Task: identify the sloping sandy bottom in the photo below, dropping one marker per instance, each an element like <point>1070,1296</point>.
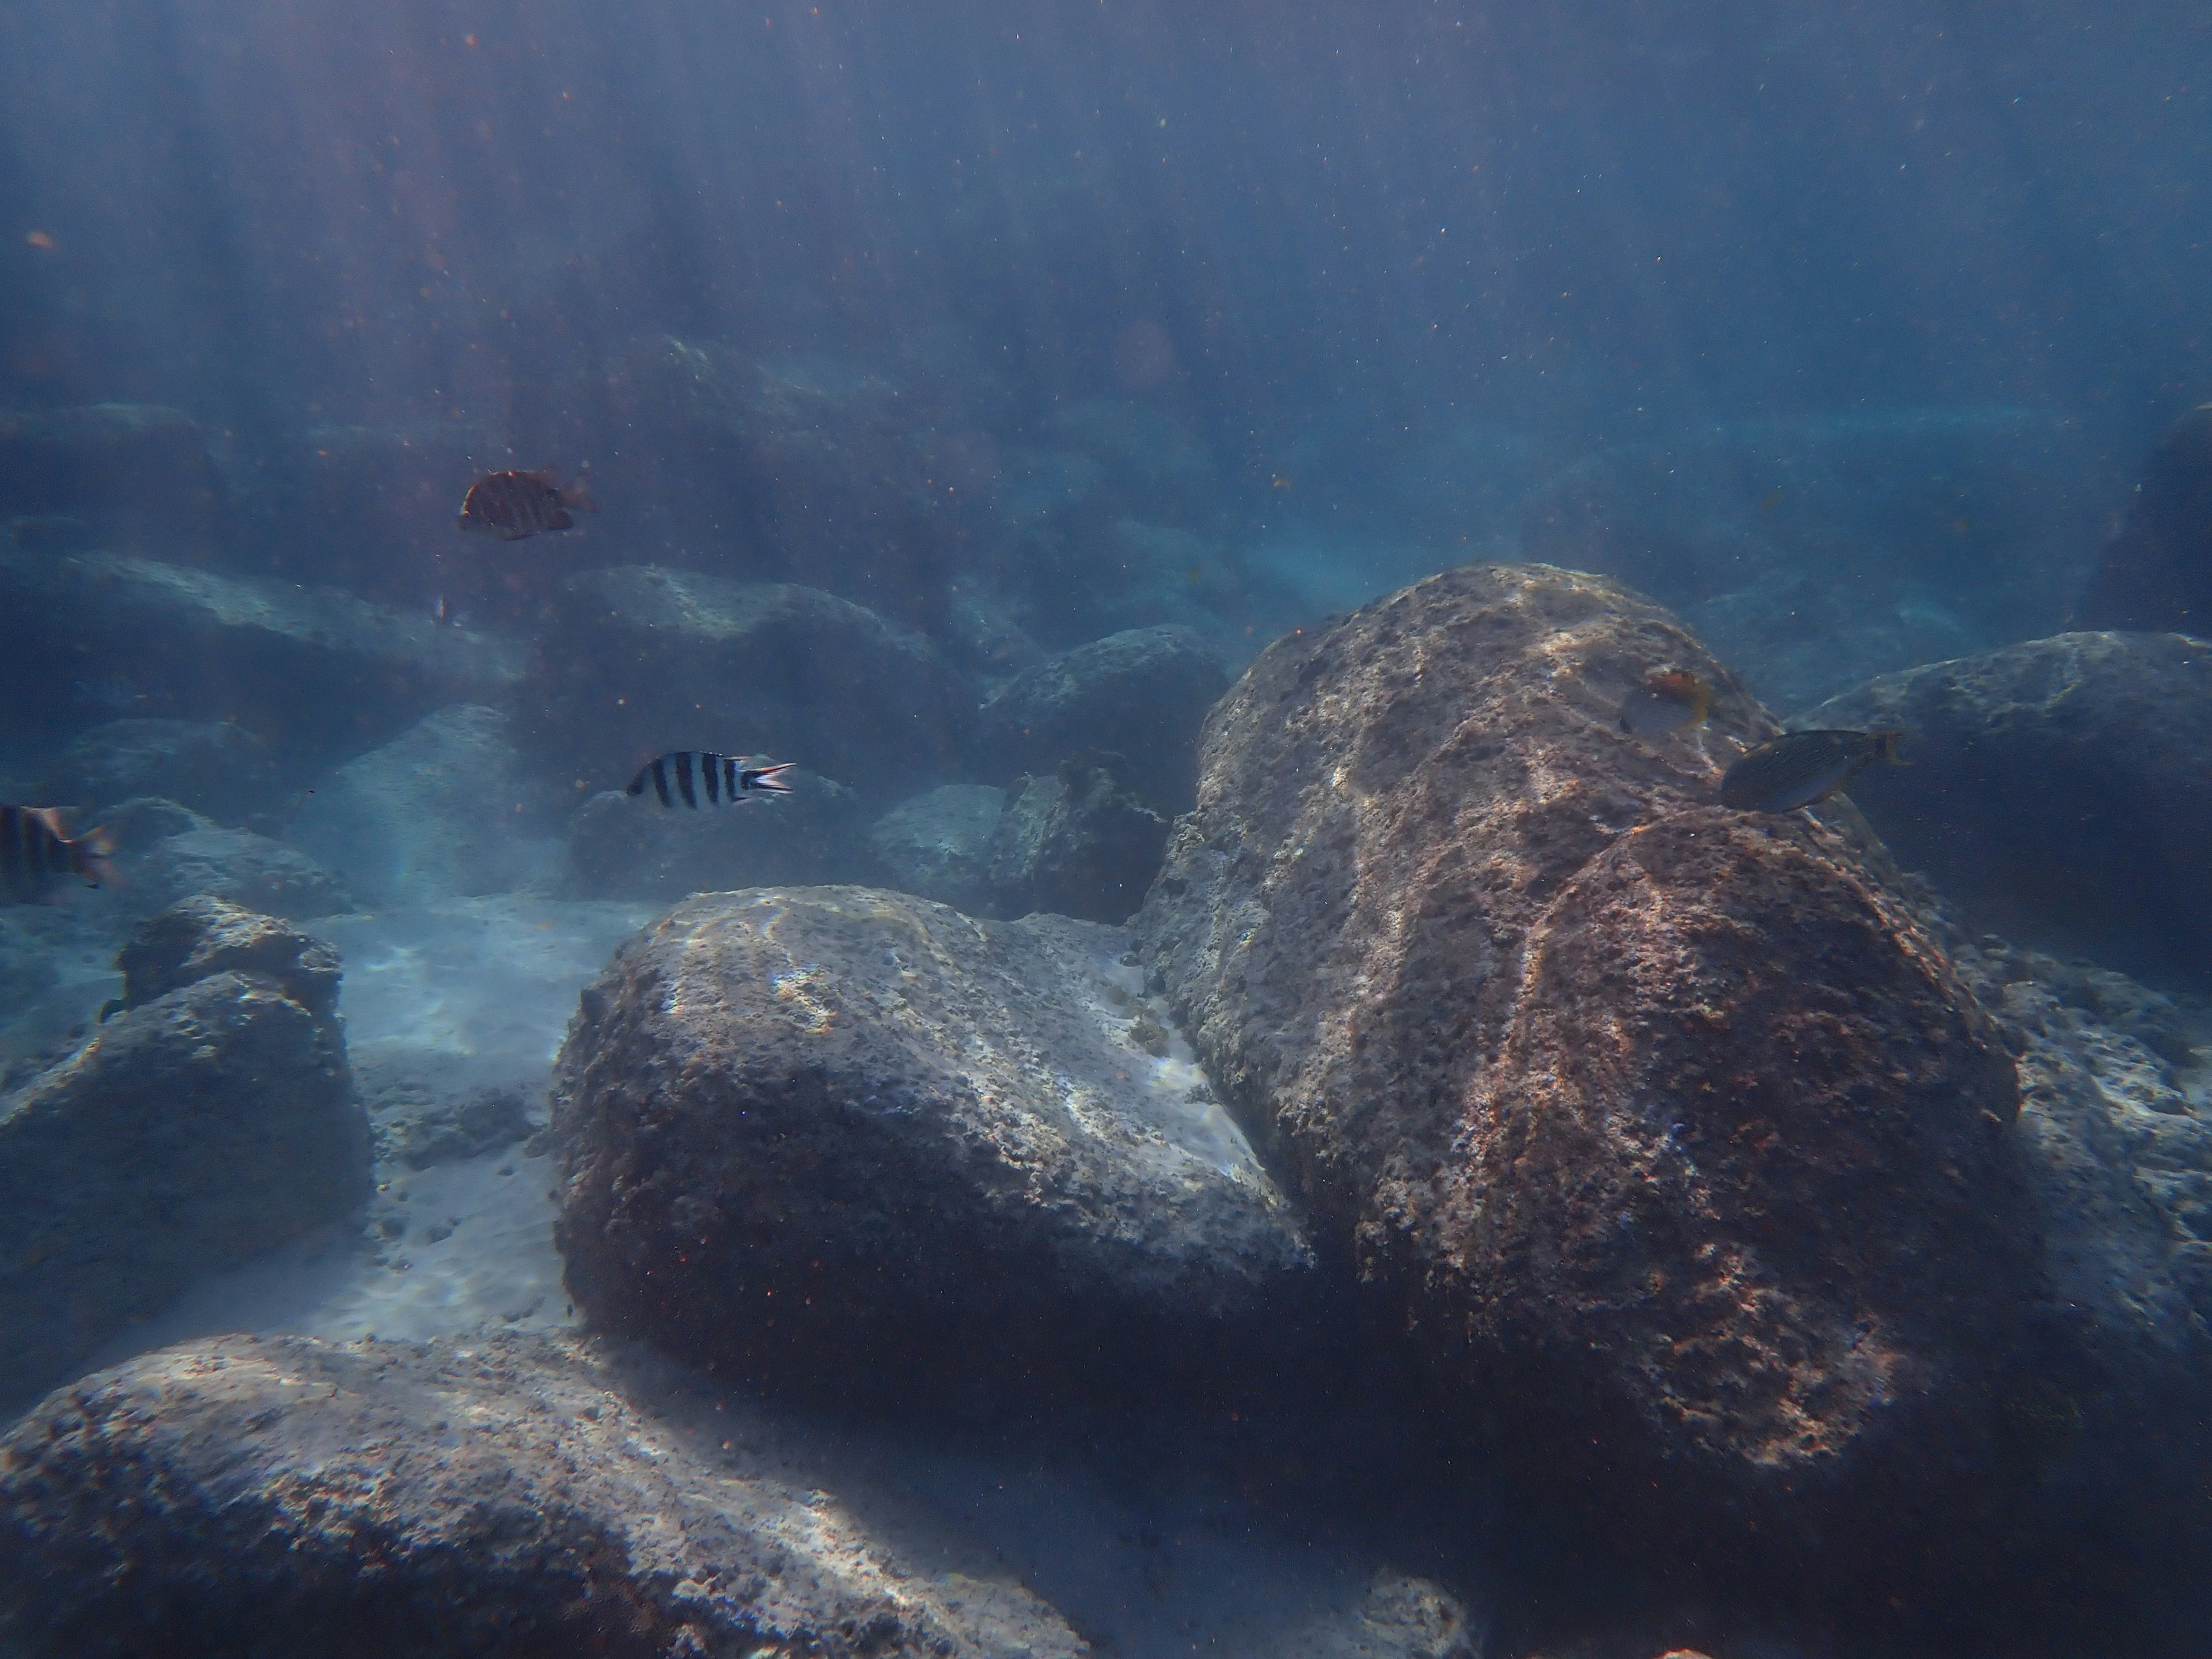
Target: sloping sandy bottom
<point>477,994</point>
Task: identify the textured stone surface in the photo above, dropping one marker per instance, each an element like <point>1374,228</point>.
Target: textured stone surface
<point>938,844</point>
<point>1143,693</point>
<point>207,1123</point>
<point>640,660</point>
<point>1075,841</point>
<point>1641,1107</point>
<point>851,1143</point>
<point>238,866</point>
<point>287,1496</point>
<point>2058,790</point>
<point>209,935</point>
<point>1402,1617</point>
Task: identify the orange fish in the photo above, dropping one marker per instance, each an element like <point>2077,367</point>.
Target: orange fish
<point>512,505</point>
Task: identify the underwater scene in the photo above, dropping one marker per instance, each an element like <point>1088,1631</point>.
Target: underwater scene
<point>837,829</point>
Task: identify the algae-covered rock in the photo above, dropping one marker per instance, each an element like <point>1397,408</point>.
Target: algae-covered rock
<point>524,1495</point>
<point>856,1146</point>
<point>1670,1128</point>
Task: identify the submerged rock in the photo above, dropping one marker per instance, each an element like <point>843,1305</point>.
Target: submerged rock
<point>1669,1126</point>
<point>1142,694</point>
<point>288,1497</point>
<point>445,810</point>
<point>237,865</point>
<point>938,844</point>
<point>213,767</point>
<point>1077,842</point>
<point>2058,790</point>
<point>209,1121</point>
<point>639,660</point>
<point>2155,573</point>
<point>855,1145</point>
<point>296,664</point>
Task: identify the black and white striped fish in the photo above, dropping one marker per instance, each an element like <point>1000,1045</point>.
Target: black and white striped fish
<point>689,775</point>
<point>35,855</point>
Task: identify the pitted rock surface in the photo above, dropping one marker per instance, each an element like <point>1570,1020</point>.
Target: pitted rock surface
<point>856,1142</point>
<point>1669,1128</point>
<point>288,1497</point>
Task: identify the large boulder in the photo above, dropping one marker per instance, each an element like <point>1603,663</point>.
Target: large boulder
<point>856,1146</point>
<point>211,1119</point>
<point>237,865</point>
<point>937,845</point>
<point>1142,694</point>
<point>2059,791</point>
<point>2155,572</point>
<point>639,660</point>
<point>293,1498</point>
<point>445,810</point>
<point>1076,840</point>
<point>306,665</point>
<point>1669,1128</point>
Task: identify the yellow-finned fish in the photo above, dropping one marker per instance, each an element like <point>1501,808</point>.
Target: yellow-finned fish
<point>512,505</point>
<point>1665,702</point>
<point>35,854</point>
<point>1800,767</point>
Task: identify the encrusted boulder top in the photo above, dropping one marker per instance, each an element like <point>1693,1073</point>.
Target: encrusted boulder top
<point>200,936</point>
<point>1667,1127</point>
<point>857,1143</point>
<point>288,1497</point>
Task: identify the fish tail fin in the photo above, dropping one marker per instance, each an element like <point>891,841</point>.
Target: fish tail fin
<point>771,778</point>
<point>576,493</point>
<point>1885,744</point>
<point>91,855</point>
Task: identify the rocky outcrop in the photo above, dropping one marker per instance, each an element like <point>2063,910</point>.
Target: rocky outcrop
<point>210,1121</point>
<point>1075,841</point>
<point>2155,573</point>
<point>526,1496</point>
<point>1670,1128</point>
<point>2058,791</point>
<point>937,845</point>
<point>295,664</point>
<point>445,810</point>
<point>639,660</point>
<point>855,1145</point>
<point>253,871</point>
<point>1142,694</point>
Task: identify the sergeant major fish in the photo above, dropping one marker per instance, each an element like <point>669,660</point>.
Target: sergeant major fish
<point>512,505</point>
<point>1665,702</point>
<point>35,854</point>
<point>1800,768</point>
<point>688,774</point>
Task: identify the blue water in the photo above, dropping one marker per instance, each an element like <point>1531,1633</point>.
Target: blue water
<point>1844,330</point>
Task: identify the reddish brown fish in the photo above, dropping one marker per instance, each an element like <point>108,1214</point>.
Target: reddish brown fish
<point>512,505</point>
<point>35,855</point>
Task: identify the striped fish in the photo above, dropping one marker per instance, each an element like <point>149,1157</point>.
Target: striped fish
<point>35,855</point>
<point>688,774</point>
<point>1800,768</point>
<point>512,505</point>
